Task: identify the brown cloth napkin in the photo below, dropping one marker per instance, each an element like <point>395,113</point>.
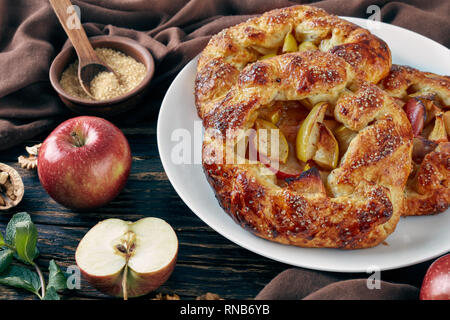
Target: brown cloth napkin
<point>174,31</point>
<point>300,284</point>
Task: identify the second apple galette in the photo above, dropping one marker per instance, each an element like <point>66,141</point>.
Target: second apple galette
<point>425,97</point>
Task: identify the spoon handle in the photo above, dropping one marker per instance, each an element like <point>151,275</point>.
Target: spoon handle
<point>74,30</point>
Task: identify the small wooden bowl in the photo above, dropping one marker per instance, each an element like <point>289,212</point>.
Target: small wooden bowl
<point>107,107</point>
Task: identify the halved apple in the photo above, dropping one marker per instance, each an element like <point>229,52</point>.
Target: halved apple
<point>265,145</point>
<point>327,154</point>
<point>344,136</point>
<point>290,44</point>
<point>308,134</point>
<point>439,133</point>
<point>126,259</point>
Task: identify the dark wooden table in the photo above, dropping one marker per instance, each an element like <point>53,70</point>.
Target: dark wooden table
<point>207,262</point>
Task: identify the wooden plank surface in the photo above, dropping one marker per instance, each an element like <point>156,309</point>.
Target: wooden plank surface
<point>207,262</point>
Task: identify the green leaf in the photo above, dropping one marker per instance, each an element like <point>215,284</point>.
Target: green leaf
<point>21,277</point>
<point>26,240</point>
<point>11,227</point>
<point>2,240</point>
<point>51,294</point>
<point>6,256</point>
<point>56,278</point>
<point>11,231</point>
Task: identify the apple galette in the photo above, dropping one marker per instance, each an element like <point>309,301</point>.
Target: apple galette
<point>315,163</point>
<point>302,147</point>
<point>425,97</point>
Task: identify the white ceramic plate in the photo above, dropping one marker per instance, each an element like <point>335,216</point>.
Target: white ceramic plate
<point>416,239</point>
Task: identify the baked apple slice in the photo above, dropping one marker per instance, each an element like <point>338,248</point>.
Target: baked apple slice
<point>307,46</point>
<point>271,114</point>
<point>290,44</point>
<point>267,56</point>
<point>447,122</point>
<point>422,147</point>
<point>308,134</point>
<point>308,181</point>
<point>439,133</point>
<point>344,136</point>
<point>327,154</point>
<point>331,124</point>
<point>291,169</point>
<point>416,112</point>
<point>265,144</point>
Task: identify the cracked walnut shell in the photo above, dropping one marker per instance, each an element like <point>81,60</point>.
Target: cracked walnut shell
<point>11,187</point>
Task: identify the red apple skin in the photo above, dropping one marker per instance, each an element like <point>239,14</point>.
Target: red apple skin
<point>416,113</point>
<point>283,175</point>
<point>436,284</point>
<point>87,175</point>
<point>137,285</point>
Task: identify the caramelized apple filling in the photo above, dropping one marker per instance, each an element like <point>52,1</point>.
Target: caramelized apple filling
<point>290,44</point>
<point>429,122</point>
<point>306,134</point>
<point>291,139</point>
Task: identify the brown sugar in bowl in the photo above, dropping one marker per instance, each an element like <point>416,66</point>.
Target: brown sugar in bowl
<point>109,107</point>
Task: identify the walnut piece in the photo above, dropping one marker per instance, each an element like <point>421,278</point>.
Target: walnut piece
<point>30,162</point>
<point>4,176</point>
<point>11,187</point>
<point>34,150</point>
<point>209,296</point>
<point>160,296</point>
<point>206,296</point>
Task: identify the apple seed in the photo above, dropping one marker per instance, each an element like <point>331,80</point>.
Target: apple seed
<point>126,248</point>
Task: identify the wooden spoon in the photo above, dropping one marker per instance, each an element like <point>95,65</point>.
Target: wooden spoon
<point>89,65</point>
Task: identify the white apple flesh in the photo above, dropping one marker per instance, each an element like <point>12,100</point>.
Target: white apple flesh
<point>126,259</point>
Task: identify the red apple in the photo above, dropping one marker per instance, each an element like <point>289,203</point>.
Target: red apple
<point>436,284</point>
<point>84,163</point>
